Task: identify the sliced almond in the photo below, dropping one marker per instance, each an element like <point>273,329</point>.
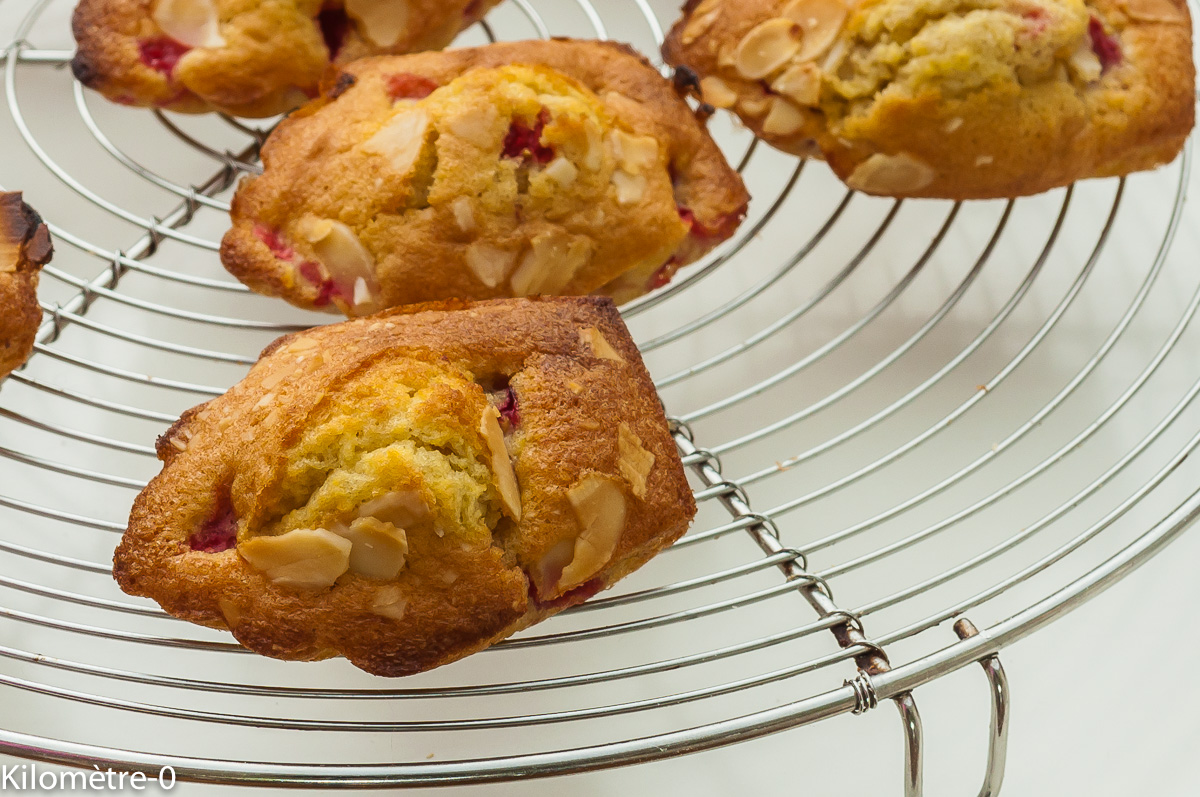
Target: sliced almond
<point>401,139</point>
<point>633,460</point>
<point>561,171</point>
<point>800,83</point>
<point>593,339</point>
<point>389,602</point>
<point>302,558</point>
<point>230,611</point>
<point>630,187</point>
<point>478,125</point>
<point>278,372</point>
<point>768,46</point>
<point>464,213</point>
<point>191,22</point>
<point>342,254</point>
<point>599,505</point>
<point>552,261</point>
<point>1084,64</point>
<point>783,119</point>
<point>727,55</point>
<point>404,509</point>
<point>384,22</point>
<point>489,264</point>
<point>755,105</point>
<point>821,20</point>
<point>506,479</point>
<point>717,93</point>
<point>633,153</point>
<point>301,344</point>
<point>891,174</point>
<point>364,298</point>
<point>550,566</point>
<point>379,548</point>
<point>699,25</point>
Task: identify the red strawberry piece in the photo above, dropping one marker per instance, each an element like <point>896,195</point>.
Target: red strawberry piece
<point>161,54</point>
<point>219,532</point>
<point>524,141</point>
<point>1106,48</point>
<point>407,86</point>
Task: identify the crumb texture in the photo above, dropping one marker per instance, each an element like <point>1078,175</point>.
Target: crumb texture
<point>406,489</point>
<point>512,170</point>
<point>951,98</point>
<point>252,58</point>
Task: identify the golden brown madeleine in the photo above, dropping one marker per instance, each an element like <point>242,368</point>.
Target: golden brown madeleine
<point>951,98</point>
<point>24,248</point>
<point>409,488</point>
<point>246,57</point>
<point>541,167</point>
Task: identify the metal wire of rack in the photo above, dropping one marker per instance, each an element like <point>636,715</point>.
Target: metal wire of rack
<point>924,409</point>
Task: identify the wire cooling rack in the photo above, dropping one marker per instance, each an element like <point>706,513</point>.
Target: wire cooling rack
<point>896,415</point>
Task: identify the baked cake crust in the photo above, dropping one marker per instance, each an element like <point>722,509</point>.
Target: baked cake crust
<point>267,55</point>
<point>24,248</point>
<point>954,99</point>
<point>455,220</point>
<point>581,409</point>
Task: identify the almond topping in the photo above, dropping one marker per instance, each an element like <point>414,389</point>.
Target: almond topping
<point>591,337</point>
<point>800,83</point>
<point>489,264</point>
<point>401,139</point>
<point>389,602</point>
<point>384,22</point>
<point>477,125</point>
<point>561,171</point>
<point>1084,63</point>
<point>821,20</point>
<point>301,344</point>
<point>784,119</point>
<point>551,263</point>
<point>633,153</point>
<point>717,93</point>
<point>404,509</point>
<point>379,548</point>
<point>599,505</point>
<point>506,480</point>
<point>302,558</point>
<point>230,611</point>
<point>277,374</point>
<point>767,47</point>
<point>630,187</point>
<point>891,174</point>
<point>755,105</point>
<point>634,461</point>
<point>191,22</point>
<point>550,566</point>
<point>699,25</point>
<point>464,213</point>
<point>727,55</point>
<point>343,255</point>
